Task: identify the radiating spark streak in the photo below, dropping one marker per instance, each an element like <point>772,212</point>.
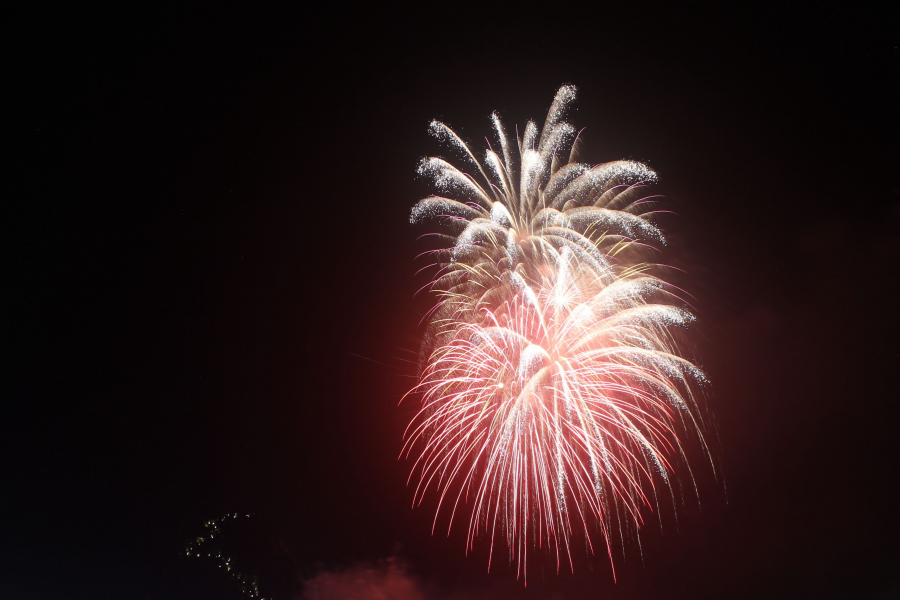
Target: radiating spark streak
<point>553,392</point>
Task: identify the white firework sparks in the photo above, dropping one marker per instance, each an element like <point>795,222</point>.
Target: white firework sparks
<point>553,390</point>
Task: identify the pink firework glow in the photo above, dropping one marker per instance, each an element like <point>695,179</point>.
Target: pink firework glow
<point>553,392</point>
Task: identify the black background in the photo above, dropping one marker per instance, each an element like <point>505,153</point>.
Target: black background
<point>208,281</point>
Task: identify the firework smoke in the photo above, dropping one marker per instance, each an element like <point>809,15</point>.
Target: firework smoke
<point>552,387</point>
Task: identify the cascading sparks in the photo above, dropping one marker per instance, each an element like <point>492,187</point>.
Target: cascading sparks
<point>553,390</point>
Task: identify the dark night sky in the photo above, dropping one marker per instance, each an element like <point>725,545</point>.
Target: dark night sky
<point>207,240</point>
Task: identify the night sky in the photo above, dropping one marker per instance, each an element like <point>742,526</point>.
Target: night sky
<point>209,276</point>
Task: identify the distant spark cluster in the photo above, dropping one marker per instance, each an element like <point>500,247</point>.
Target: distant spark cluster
<point>205,545</point>
<point>554,396</point>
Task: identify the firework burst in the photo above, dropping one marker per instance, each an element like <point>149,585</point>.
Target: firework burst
<point>552,387</point>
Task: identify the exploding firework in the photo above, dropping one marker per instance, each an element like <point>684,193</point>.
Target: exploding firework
<point>210,545</point>
<point>247,550</point>
<point>554,395</point>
